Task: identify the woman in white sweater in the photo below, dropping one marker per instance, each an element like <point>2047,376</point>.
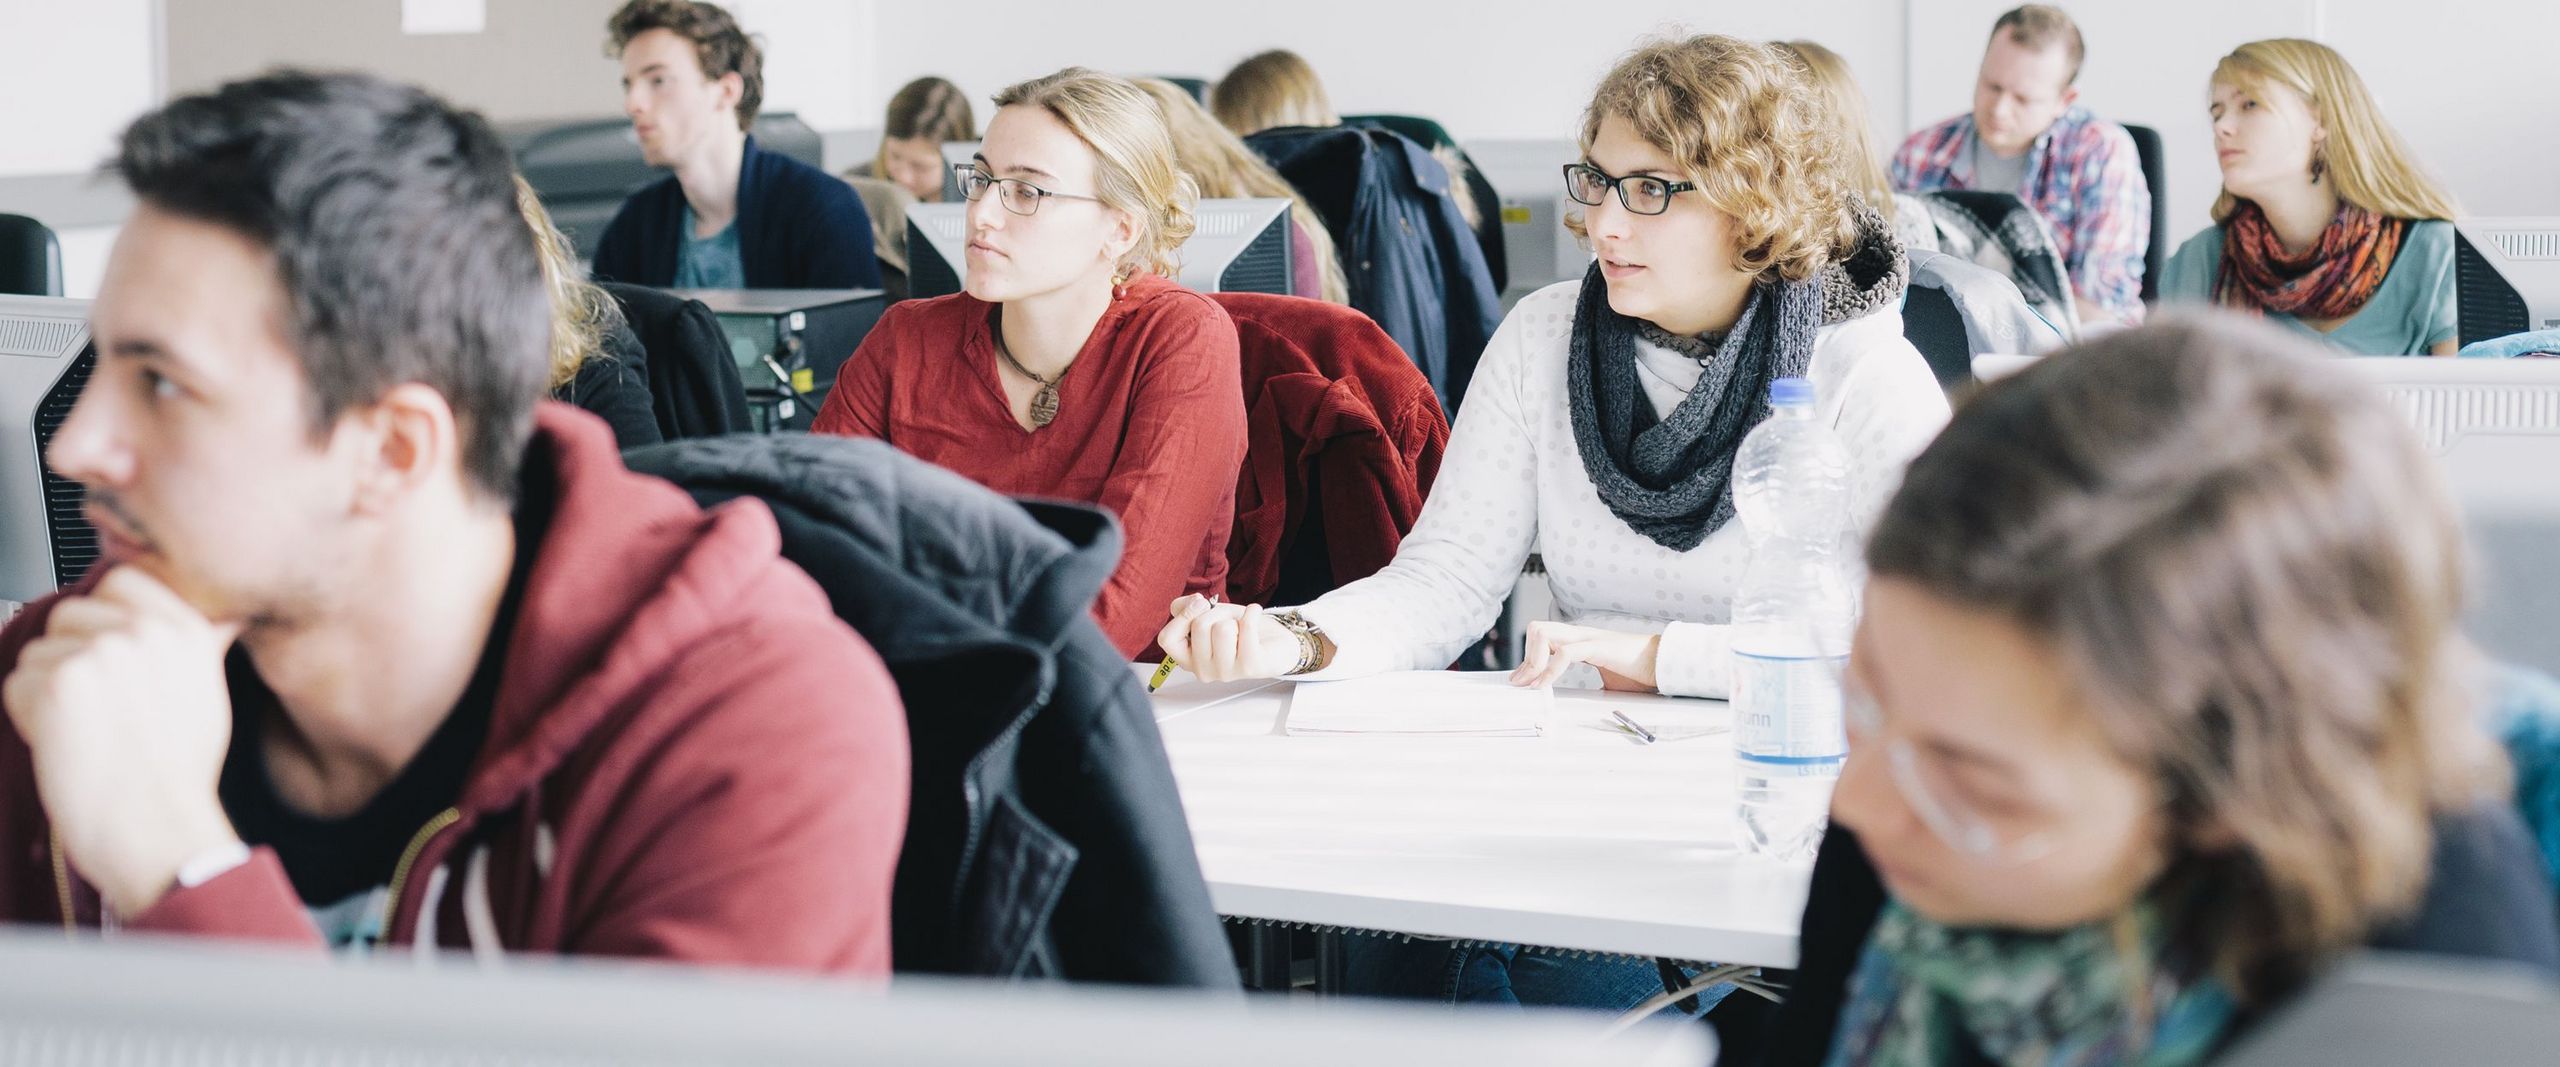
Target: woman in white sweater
<point>1601,425</point>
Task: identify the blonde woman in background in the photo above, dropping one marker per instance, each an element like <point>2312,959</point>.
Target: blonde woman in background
<point>596,361</point>
<point>1272,89</point>
<point>1072,366</point>
<point>2326,225</point>
<point>1838,91</point>
<point>1224,168</point>
<point>924,114</point>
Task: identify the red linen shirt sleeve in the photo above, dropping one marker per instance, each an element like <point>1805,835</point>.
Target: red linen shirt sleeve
<point>858,406</point>
<point>1174,482</point>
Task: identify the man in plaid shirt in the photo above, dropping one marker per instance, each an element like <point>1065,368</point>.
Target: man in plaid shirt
<point>2029,134</point>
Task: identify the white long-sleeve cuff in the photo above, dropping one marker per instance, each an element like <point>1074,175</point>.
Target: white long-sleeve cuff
<point>1695,660</point>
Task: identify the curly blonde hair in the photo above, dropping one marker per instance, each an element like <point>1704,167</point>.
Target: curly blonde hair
<point>1741,118</point>
<point>1135,169</point>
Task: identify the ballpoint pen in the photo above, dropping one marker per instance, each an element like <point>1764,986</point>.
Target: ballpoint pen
<point>1165,670</point>
<point>1636,727</point>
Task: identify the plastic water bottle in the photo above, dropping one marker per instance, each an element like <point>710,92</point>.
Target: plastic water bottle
<point>1792,617</point>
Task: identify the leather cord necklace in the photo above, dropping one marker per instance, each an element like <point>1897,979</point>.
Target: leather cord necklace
<point>1044,404</point>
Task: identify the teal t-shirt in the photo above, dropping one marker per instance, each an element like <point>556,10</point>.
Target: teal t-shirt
<point>709,262</point>
<point>2413,311</point>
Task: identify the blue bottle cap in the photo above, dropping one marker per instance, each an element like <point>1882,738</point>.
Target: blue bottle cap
<point>1787,391</point>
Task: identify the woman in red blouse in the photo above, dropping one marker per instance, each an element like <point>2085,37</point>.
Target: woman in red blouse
<point>1072,367</point>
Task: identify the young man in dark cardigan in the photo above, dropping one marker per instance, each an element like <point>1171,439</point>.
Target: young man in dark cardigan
<point>731,215</point>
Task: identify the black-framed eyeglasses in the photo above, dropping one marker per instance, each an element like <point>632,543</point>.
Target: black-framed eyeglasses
<point>1641,193</point>
<point>1017,196</point>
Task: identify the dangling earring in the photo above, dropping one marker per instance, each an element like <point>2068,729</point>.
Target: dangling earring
<point>2319,166</point>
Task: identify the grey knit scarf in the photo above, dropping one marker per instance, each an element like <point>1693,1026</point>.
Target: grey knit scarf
<point>1670,477</point>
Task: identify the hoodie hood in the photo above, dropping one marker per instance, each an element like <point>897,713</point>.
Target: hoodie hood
<point>629,574</point>
<point>1872,276</point>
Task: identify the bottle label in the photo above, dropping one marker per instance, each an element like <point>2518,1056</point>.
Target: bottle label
<point>1786,710</point>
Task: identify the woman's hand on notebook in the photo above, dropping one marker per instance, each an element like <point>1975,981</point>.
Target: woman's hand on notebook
<point>1624,660</point>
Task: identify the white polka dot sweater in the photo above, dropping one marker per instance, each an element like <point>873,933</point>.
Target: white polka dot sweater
<point>1512,483</point>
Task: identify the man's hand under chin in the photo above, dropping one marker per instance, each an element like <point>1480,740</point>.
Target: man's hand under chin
<point>124,705</point>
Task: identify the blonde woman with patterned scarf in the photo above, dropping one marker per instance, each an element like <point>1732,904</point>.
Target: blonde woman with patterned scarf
<point>2325,223</point>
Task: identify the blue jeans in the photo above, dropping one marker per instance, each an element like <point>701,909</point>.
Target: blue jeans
<point>1386,966</point>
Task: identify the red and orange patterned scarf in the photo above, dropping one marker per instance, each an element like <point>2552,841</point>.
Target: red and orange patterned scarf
<point>2331,281</point>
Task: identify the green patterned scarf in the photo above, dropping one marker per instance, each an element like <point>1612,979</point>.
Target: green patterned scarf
<point>1924,993</point>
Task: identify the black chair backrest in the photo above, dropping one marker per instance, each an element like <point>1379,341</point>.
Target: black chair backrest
<point>1197,87</point>
<point>2485,306</point>
<point>1932,324</point>
<point>30,258</point>
<point>2155,173</point>
<point>693,380</point>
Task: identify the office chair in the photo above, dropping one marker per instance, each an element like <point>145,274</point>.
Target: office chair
<point>30,258</point>
<point>2155,174</point>
<point>693,379</point>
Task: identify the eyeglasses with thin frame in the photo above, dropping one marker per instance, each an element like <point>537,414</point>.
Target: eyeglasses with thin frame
<point>1925,786</point>
<point>1642,194</point>
<point>1017,196</point>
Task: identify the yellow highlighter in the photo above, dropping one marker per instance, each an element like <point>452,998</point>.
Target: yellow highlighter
<point>1164,670</point>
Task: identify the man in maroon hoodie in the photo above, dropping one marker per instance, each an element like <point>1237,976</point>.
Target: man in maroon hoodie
<point>384,650</point>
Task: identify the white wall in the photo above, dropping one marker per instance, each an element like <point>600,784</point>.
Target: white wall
<point>537,59</point>
<point>2468,82</point>
<point>2474,88</point>
<point>71,77</point>
<point>1495,70</point>
<point>819,58</point>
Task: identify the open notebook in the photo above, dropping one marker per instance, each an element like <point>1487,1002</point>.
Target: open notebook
<point>1433,703</point>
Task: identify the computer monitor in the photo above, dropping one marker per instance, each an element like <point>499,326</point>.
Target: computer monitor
<point>139,999</point>
<point>1529,177</point>
<point>2506,276</point>
<point>583,169</point>
<point>45,544</point>
<point>955,153</point>
<point>789,343</point>
<point>2495,423</point>
<point>1237,246</point>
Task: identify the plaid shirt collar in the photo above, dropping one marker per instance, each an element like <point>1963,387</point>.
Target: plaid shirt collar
<point>1955,154</point>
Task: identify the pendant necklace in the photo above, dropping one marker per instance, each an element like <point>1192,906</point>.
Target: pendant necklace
<point>1044,404</point>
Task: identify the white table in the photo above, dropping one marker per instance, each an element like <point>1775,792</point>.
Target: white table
<point>1579,838</point>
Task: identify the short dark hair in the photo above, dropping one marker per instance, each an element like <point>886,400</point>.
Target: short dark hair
<point>2043,26</point>
<point>719,45</point>
<point>392,216</point>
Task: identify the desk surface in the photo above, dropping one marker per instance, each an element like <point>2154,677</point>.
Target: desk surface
<point>767,302</point>
<point>1578,838</point>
